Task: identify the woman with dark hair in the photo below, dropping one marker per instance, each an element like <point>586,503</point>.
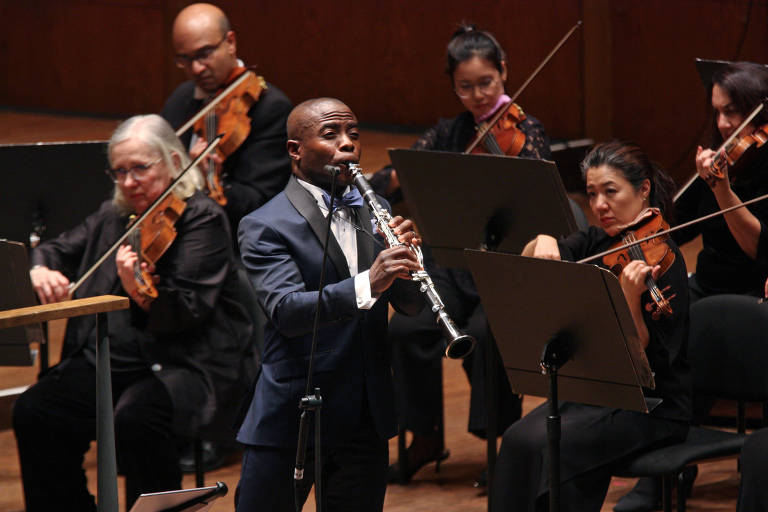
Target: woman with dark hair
<point>733,258</point>
<point>621,183</point>
<point>476,65</point>
<point>729,261</point>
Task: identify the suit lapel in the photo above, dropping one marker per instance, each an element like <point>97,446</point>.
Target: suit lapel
<point>305,204</point>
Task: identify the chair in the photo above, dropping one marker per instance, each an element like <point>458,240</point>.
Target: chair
<point>728,353</point>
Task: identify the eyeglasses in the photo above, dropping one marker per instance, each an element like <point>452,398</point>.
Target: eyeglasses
<point>203,54</point>
<point>485,86</point>
<point>138,172</point>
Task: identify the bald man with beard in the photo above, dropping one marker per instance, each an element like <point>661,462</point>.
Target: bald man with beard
<point>206,49</point>
<point>282,248</point>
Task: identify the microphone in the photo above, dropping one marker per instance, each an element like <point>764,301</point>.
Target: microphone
<point>333,170</point>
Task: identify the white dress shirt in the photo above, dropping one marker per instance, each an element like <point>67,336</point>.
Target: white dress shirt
<point>343,228</point>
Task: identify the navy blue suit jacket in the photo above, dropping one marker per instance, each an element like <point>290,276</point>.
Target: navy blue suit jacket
<point>281,245</point>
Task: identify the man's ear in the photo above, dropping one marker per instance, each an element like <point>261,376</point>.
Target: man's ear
<point>294,149</point>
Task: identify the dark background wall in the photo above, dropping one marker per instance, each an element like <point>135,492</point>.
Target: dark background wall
<point>627,73</point>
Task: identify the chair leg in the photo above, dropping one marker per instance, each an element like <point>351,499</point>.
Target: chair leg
<point>680,492</point>
<point>199,468</point>
<point>742,417</point>
<point>666,492</point>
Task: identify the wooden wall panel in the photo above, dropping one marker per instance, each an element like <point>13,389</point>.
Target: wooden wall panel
<point>384,58</point>
<point>85,56</point>
<point>628,73</point>
<point>659,100</point>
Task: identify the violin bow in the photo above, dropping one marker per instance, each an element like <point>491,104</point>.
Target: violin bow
<point>735,133</point>
<point>676,228</point>
<point>211,104</point>
<point>492,122</point>
<point>147,212</point>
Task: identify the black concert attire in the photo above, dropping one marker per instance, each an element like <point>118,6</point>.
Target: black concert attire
<point>722,267</point>
<point>260,167</point>
<point>594,438</point>
<point>419,340</point>
<point>179,369</point>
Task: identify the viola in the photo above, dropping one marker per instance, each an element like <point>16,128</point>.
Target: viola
<point>229,116</point>
<point>152,237</point>
<point>654,251</point>
<point>504,137</point>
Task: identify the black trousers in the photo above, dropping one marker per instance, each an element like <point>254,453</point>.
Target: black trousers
<point>354,475</point>
<point>55,421</point>
<point>593,440</point>
<point>419,346</point>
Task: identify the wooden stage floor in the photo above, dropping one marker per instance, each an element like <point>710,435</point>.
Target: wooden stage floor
<point>448,491</point>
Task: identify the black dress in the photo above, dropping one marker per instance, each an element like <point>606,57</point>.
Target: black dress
<point>595,438</point>
<point>419,341</point>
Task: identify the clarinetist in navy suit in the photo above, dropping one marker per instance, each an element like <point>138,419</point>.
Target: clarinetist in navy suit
<point>282,246</point>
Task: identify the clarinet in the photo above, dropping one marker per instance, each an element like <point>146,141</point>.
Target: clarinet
<point>457,344</point>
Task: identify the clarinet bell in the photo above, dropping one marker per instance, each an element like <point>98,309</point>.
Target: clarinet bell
<point>458,344</point>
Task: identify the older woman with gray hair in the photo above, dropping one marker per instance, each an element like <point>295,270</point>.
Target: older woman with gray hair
<point>178,359</point>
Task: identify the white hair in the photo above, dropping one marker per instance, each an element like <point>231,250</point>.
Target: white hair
<point>155,132</point>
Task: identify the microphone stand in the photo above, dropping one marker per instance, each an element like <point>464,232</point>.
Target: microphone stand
<point>314,402</point>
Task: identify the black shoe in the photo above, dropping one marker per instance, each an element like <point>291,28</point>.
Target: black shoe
<point>214,457</point>
<point>438,455</point>
<point>644,497</point>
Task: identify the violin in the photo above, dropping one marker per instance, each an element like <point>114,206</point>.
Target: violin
<point>504,137</point>
<point>654,251</point>
<point>229,116</point>
<point>738,152</point>
<point>152,237</point>
<point>507,136</point>
<point>735,152</point>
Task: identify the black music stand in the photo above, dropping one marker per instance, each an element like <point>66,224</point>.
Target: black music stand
<point>471,201</point>
<point>16,293</point>
<point>184,500</point>
<point>539,329</point>
<point>40,181</point>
